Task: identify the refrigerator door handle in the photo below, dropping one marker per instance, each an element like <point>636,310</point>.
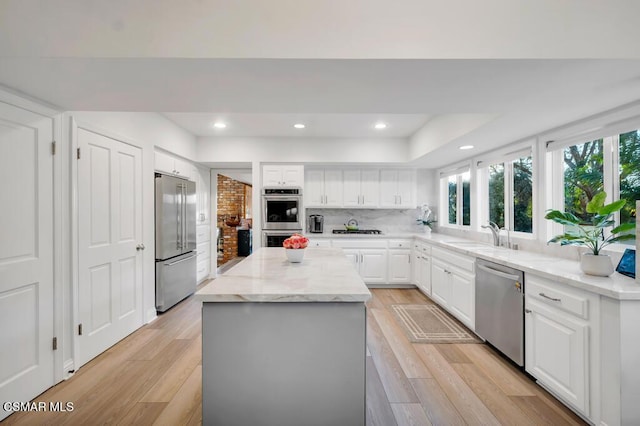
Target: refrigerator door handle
<point>179,216</point>
<point>180,261</point>
<point>184,216</point>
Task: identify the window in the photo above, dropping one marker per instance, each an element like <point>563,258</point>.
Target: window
<point>456,187</point>
<point>583,176</point>
<point>610,164</point>
<point>510,193</point>
<point>629,169</point>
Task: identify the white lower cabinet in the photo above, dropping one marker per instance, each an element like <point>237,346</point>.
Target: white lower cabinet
<point>421,267</point>
<point>557,339</point>
<point>369,257</point>
<point>203,250</point>
<point>313,242</point>
<point>399,269</point>
<point>453,284</point>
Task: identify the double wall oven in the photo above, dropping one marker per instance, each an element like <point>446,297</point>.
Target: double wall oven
<point>282,214</point>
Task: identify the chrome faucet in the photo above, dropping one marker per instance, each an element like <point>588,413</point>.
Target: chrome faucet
<point>495,230</point>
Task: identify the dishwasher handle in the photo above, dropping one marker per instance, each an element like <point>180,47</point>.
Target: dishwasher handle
<point>499,273</point>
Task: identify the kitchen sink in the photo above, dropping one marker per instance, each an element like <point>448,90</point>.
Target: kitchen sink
<point>474,245</point>
<point>465,243</point>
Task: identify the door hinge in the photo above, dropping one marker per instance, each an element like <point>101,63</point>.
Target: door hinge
<point>78,153</point>
<point>55,343</point>
<point>53,147</point>
<point>79,329</point>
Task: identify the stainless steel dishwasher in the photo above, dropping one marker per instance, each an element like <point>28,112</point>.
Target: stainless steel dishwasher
<point>499,308</point>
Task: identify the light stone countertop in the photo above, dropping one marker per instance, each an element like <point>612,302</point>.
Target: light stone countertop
<point>565,271</point>
<point>557,269</point>
<point>325,275</point>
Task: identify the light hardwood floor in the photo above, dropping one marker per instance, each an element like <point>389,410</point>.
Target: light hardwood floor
<point>154,376</point>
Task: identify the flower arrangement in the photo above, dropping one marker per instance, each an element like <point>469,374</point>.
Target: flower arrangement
<point>295,246</point>
<point>425,217</point>
<point>296,241</point>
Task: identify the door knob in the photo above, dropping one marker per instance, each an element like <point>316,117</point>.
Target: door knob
<point>140,247</point>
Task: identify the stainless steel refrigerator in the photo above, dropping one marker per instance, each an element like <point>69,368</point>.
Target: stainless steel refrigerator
<point>175,216</point>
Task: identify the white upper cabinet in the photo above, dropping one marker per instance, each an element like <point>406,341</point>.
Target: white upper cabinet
<point>323,188</point>
<point>353,187</point>
<point>397,188</point>
<point>282,175</point>
<point>360,188</point>
<point>168,164</point>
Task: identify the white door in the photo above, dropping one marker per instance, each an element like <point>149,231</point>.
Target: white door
<point>354,258</point>
<point>425,274</point>
<point>109,231</point>
<point>405,188</point>
<point>293,176</point>
<point>26,255</point>
<point>373,266</point>
<point>463,299</point>
<point>351,188</point>
<point>389,188</point>
<point>370,188</point>
<point>271,175</point>
<point>556,352</point>
<point>399,266</point>
<point>440,286</point>
<point>333,187</point>
<point>314,188</point>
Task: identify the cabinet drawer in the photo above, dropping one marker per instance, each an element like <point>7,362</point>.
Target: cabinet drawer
<point>204,250</point>
<point>359,243</point>
<point>202,233</point>
<point>319,243</point>
<point>202,269</point>
<point>402,244</point>
<point>460,261</point>
<point>557,295</point>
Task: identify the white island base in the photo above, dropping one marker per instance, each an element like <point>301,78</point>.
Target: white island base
<point>285,344</point>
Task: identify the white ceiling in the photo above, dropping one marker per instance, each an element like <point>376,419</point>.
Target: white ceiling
<point>316,125</point>
<point>195,82</point>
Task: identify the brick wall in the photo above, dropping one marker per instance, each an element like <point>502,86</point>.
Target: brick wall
<point>231,202</point>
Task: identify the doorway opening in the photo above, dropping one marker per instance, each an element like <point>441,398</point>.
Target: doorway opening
<point>234,216</point>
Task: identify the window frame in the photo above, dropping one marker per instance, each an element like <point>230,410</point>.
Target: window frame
<point>509,198</point>
<point>610,174</point>
<point>458,172</point>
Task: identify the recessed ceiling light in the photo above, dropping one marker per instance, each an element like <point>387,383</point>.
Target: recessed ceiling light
<point>380,126</point>
<point>464,147</point>
<point>219,125</point>
<point>299,126</point>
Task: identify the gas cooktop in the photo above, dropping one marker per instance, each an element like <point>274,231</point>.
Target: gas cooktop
<point>359,231</point>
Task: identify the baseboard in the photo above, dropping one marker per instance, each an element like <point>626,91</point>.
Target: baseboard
<point>392,286</point>
<point>69,369</point>
<point>151,316</point>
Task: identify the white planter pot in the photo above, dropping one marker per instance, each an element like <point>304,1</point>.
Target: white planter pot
<point>599,265</point>
<point>295,255</point>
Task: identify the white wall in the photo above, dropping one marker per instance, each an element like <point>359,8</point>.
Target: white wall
<point>320,29</point>
<point>302,150</point>
<point>443,129</point>
<point>150,129</point>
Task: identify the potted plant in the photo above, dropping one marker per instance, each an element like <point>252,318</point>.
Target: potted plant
<point>294,247</point>
<point>425,218</point>
<point>591,235</point>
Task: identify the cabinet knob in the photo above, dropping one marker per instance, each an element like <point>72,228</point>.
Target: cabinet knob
<point>528,311</point>
<point>140,247</point>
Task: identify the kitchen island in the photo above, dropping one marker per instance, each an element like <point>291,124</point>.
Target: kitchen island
<point>285,343</point>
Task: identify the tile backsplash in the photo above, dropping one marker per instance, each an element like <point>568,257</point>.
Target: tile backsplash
<point>387,221</point>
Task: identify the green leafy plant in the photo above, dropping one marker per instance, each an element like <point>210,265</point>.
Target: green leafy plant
<point>427,222</point>
<point>591,235</point>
